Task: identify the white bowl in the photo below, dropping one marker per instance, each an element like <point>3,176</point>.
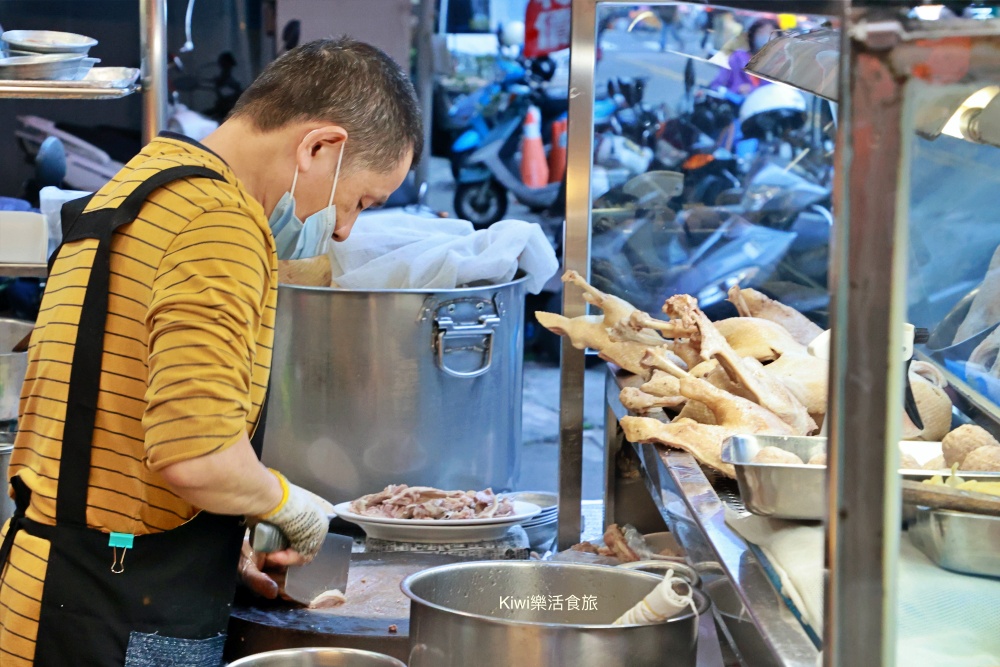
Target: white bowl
<point>48,41</point>
<point>24,238</point>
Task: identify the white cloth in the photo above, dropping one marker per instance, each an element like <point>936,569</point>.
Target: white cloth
<point>796,553</point>
<point>397,250</point>
<point>943,618</point>
<point>663,602</point>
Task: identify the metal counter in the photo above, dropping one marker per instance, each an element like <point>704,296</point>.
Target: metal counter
<point>757,622</point>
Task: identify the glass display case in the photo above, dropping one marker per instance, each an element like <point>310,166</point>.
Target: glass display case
<point>843,168</point>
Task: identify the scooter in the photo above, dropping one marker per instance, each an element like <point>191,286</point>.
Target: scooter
<point>491,172</point>
<point>493,169</point>
<point>472,116</point>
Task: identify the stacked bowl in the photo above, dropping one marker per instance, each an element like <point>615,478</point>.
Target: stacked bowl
<point>541,529</point>
<point>45,55</point>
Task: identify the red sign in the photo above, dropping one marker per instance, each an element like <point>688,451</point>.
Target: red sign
<point>546,27</point>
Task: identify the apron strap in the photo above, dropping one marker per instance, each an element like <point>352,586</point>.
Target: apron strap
<point>22,498</point>
<point>85,373</point>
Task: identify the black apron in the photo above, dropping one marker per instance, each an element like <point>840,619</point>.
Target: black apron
<point>164,601</point>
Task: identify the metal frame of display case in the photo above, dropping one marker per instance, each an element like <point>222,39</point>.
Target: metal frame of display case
<point>881,52</point>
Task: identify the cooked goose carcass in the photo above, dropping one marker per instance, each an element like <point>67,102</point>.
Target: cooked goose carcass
<point>806,377</point>
<point>638,401</point>
<point>662,384</point>
<point>734,412</point>
<point>928,386</point>
<point>749,372</point>
<point>697,411</point>
<point>751,303</point>
<point>761,339</point>
<point>702,441</point>
<point>985,308</point>
<point>617,313</point>
<point>662,359</point>
<point>589,331</point>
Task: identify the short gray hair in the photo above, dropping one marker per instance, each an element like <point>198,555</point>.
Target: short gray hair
<point>346,82</point>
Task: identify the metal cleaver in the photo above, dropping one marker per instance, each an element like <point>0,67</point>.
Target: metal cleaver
<point>327,571</point>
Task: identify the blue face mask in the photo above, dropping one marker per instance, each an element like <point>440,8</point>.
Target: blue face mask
<point>295,239</point>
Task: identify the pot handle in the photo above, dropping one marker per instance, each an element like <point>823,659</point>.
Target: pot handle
<point>448,329</point>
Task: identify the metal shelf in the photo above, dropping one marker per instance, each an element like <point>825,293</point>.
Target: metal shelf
<point>24,270</point>
<point>28,92</point>
<point>694,507</point>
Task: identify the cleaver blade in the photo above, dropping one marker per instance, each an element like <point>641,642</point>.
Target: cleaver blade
<point>327,571</point>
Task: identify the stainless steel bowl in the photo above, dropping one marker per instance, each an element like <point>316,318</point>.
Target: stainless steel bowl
<point>45,67</point>
<point>318,657</point>
<point>48,41</point>
<point>13,366</point>
<point>502,613</point>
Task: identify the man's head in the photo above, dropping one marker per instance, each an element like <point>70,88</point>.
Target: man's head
<point>329,96</point>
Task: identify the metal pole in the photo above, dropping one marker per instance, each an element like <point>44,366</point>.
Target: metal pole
<point>576,256</point>
<point>153,41</point>
<point>425,79</point>
<point>868,280</point>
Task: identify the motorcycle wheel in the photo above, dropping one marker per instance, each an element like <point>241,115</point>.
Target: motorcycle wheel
<point>482,204</point>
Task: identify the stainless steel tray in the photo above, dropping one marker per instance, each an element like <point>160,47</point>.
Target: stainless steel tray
<point>797,492</point>
<point>957,541</point>
<point>97,77</point>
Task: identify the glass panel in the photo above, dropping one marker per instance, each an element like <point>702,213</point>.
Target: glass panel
<point>953,290</point>
<point>954,269</point>
<point>704,176</point>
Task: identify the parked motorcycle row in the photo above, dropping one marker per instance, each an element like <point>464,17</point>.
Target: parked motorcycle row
<point>738,192</point>
<point>729,190</point>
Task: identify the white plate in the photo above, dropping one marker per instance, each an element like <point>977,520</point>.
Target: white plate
<point>438,531</point>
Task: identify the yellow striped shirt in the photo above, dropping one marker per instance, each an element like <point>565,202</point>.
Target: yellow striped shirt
<point>187,354</point>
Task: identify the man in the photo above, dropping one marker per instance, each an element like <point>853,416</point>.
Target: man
<point>150,361</point>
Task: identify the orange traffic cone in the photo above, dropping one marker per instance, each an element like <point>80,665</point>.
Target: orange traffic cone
<point>534,168</point>
<point>557,154</point>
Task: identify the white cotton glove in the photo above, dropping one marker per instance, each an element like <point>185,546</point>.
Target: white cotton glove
<point>302,516</point>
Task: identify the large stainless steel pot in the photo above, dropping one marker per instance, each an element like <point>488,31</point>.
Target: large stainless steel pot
<point>497,614</point>
<point>371,388</point>
<point>13,366</point>
<point>6,503</point>
<point>318,657</point>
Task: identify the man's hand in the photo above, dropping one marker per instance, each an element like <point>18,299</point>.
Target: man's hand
<point>304,520</point>
<point>260,573</point>
<point>264,574</point>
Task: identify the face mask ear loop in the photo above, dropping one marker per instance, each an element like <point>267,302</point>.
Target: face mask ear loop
<point>336,174</point>
<point>295,179</point>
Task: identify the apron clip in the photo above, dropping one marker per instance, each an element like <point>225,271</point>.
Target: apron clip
<point>121,541</point>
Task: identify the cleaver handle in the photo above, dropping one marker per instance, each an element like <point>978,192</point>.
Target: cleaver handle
<point>268,538</point>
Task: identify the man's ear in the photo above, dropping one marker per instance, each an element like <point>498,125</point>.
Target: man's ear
<point>313,144</point>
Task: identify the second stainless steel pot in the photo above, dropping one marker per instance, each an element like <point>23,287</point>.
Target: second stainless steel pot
<point>503,613</point>
<point>13,366</point>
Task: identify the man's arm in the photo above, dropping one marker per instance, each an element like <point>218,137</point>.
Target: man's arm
<point>229,481</point>
<point>206,309</point>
